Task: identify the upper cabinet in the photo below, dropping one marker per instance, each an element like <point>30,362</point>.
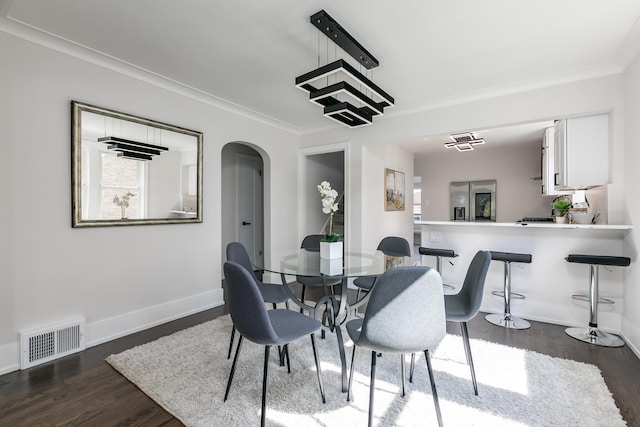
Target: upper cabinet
<point>548,163</point>
<point>581,152</point>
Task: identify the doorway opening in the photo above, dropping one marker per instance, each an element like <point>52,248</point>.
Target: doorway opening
<point>318,167</point>
<point>243,199</point>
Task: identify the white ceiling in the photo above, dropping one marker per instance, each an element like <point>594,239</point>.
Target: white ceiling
<point>431,52</point>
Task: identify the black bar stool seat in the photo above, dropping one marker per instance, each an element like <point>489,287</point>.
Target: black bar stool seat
<point>592,334</point>
<point>439,254</point>
<point>507,320</point>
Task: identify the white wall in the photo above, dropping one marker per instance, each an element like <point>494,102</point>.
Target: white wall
<point>376,222</point>
<point>517,195</point>
<point>121,279</point>
<point>631,319</point>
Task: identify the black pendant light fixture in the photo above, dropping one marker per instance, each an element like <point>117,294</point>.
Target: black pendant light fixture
<point>342,101</point>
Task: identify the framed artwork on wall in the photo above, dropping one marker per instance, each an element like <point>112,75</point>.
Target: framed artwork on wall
<point>394,191</point>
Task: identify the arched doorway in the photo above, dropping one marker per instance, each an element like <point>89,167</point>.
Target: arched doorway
<point>243,198</point>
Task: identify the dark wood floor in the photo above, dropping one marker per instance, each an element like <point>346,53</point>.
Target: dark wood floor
<point>83,390</point>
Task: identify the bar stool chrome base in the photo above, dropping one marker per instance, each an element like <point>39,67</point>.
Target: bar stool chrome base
<point>507,321</point>
<point>595,336</point>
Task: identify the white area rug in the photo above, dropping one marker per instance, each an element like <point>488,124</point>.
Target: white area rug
<point>186,374</point>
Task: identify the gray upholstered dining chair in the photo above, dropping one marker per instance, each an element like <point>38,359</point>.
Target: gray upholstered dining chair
<point>405,314</point>
<point>271,292</point>
<point>261,326</point>
<point>464,305</point>
<point>390,245</point>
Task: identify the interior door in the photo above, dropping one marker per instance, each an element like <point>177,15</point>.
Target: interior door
<point>249,226</point>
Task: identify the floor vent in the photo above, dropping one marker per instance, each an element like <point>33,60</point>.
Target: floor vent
<point>49,343</point>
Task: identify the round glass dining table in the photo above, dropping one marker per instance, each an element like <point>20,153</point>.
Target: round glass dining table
<point>331,274</point>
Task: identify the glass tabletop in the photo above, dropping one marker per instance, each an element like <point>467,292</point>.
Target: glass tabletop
<point>352,264</point>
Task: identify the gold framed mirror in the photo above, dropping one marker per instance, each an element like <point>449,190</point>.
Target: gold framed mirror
<point>128,170</point>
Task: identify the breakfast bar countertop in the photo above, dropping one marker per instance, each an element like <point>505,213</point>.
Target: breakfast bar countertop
<point>534,224</point>
<point>549,281</point>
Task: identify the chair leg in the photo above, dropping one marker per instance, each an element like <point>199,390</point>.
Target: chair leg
<point>264,385</point>
<point>402,372</point>
<point>302,294</point>
<point>413,365</point>
<point>467,351</point>
<point>353,359</point>
<point>427,356</point>
<point>286,355</point>
<point>318,371</point>
<point>372,386</point>
<point>233,368</point>
<point>233,334</point>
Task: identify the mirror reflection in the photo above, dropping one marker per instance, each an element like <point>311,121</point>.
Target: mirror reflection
<point>127,170</point>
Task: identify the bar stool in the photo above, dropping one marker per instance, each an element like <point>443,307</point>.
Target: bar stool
<point>439,254</point>
<point>592,334</point>
<point>506,320</point>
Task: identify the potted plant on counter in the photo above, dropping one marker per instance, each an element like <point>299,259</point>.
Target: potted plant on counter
<point>560,209</point>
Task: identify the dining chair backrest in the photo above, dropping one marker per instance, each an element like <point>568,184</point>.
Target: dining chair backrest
<point>405,313</point>
<point>311,242</point>
<point>246,306</point>
<point>236,252</point>
<point>394,246</point>
<point>469,299</point>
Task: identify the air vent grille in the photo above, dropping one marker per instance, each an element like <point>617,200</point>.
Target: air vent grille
<point>49,343</point>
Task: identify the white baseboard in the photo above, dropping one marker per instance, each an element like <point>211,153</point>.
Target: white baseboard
<point>105,330</point>
<point>10,357</point>
<point>109,329</point>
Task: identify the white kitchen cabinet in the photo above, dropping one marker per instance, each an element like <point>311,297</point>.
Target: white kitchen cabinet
<point>581,152</point>
<point>548,164</point>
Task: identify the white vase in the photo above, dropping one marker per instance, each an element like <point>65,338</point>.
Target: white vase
<point>561,219</point>
<point>331,267</point>
<point>330,250</point>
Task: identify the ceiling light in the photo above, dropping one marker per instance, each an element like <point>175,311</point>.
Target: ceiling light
<point>341,100</point>
<point>463,141</point>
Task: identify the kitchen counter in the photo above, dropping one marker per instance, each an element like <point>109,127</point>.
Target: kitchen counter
<point>549,281</point>
<point>534,224</point>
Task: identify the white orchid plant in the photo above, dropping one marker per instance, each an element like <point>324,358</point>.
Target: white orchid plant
<point>329,206</point>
